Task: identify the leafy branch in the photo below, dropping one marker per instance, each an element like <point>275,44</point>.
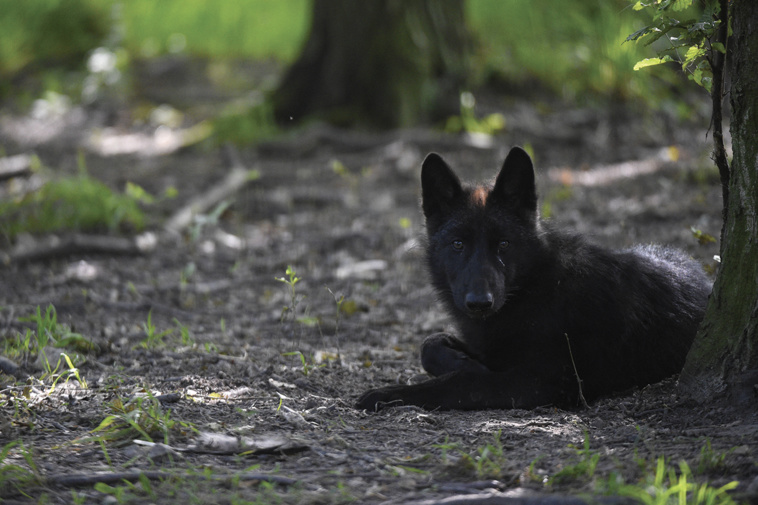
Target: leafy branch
<point>700,46</point>
<point>692,43</point>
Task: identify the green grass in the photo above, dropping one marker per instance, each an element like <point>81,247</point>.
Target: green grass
<point>487,462</point>
<point>256,29</point>
<point>48,332</point>
<point>573,47</point>
<point>142,417</point>
<point>38,30</point>
<point>17,477</point>
<point>76,203</point>
<point>669,486</point>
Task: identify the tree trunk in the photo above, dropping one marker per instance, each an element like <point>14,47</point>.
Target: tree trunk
<point>386,63</point>
<point>724,357</point>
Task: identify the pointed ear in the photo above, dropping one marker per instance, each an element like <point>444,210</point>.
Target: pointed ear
<point>440,187</point>
<point>515,187</point>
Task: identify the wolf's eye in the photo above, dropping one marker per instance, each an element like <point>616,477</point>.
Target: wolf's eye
<point>457,245</point>
<point>503,245</point>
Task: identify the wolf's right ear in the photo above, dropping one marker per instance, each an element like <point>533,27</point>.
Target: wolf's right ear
<point>515,186</point>
<point>440,187</point>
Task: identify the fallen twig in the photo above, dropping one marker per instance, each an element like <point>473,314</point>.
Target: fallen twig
<point>237,177</point>
<point>603,175</point>
<point>576,374</point>
<point>55,247</point>
<point>537,499</point>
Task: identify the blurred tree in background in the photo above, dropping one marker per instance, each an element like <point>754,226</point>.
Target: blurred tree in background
<point>414,57</point>
<point>387,63</point>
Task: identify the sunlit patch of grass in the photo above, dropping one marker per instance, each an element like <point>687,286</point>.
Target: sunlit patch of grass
<point>256,29</point>
<point>75,203</point>
<point>34,30</point>
<point>573,48</point>
<point>667,486</point>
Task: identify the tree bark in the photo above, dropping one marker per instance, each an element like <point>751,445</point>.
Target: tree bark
<point>724,357</point>
<point>386,63</point>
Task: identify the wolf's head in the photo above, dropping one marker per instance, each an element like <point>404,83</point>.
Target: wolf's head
<point>482,240</point>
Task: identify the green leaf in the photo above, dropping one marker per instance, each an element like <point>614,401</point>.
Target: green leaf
<point>104,488</point>
<point>692,54</point>
<point>718,46</point>
<point>649,62</point>
<point>138,193</point>
<point>636,35</point>
<point>680,5</point>
<point>171,192</point>
<point>106,423</point>
<point>707,83</point>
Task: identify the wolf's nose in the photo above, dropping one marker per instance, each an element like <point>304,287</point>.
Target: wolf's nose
<point>479,302</point>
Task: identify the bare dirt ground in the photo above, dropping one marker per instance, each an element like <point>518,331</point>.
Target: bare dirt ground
<point>253,422</point>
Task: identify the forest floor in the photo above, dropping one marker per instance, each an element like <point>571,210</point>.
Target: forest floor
<point>242,401</point>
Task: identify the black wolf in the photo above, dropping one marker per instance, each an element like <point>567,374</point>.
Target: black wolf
<point>538,309</point>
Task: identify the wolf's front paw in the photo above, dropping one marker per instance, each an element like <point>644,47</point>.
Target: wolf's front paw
<point>376,399</point>
<point>442,353</point>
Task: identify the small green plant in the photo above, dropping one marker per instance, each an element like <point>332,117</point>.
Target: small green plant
<point>48,332</point>
<point>582,469</point>
<point>534,475</point>
<point>489,461</point>
<point>667,487</point>
<point>153,338</point>
<point>119,493</point>
<point>184,334</point>
<point>348,309</point>
<point>307,366</point>
<point>702,237</point>
<point>186,274</point>
<point>290,280</point>
<point>142,417</point>
<point>710,460</point>
<point>13,476</point>
<point>69,372</point>
<point>78,498</point>
<point>469,123</point>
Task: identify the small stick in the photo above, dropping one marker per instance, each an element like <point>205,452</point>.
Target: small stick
<point>576,374</point>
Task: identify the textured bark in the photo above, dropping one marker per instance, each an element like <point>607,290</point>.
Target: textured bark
<point>724,357</point>
<point>385,63</point>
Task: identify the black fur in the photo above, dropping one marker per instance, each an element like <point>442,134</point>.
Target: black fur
<point>523,293</point>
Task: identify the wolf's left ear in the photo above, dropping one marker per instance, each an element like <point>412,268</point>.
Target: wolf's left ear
<point>514,186</point>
